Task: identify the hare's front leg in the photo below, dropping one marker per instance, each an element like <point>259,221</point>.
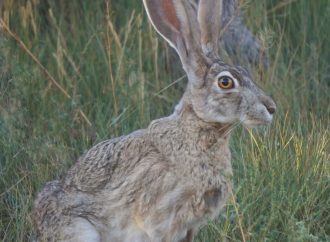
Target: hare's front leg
<point>189,237</point>
<point>80,230</point>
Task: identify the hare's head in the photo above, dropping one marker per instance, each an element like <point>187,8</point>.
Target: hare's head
<point>217,92</point>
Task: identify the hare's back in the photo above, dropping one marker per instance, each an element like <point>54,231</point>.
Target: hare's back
<point>107,161</point>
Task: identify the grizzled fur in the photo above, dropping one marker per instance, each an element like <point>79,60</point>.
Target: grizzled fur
<point>154,183</point>
<point>160,184</point>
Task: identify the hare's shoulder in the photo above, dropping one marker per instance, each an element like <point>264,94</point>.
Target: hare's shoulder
<point>104,161</point>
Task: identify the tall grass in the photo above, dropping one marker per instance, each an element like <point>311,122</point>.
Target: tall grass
<point>119,75</point>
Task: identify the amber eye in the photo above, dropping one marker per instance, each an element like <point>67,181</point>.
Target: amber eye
<point>226,82</point>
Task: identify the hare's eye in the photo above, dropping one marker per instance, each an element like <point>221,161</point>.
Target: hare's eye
<point>226,82</point>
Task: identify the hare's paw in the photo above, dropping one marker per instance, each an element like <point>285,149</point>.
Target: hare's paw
<point>81,230</point>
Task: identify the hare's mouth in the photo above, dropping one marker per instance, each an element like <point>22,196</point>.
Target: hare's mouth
<point>255,119</point>
<point>253,123</point>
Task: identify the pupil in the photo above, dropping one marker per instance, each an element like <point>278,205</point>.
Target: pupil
<point>225,82</point>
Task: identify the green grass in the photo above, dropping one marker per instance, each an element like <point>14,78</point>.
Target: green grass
<point>117,71</point>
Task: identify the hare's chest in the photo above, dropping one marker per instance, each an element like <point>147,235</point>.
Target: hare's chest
<point>213,187</point>
<point>214,200</point>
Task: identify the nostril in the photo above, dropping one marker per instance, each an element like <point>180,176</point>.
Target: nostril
<point>271,109</point>
<point>268,104</point>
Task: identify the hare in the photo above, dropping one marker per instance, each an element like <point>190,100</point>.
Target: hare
<point>164,182</point>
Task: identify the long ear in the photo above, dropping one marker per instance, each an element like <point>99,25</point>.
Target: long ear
<point>209,18</point>
<point>176,21</point>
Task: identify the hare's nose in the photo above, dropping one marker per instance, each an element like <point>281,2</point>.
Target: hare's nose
<point>269,104</point>
<point>271,109</point>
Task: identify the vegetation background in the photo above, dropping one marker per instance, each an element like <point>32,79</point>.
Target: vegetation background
<point>86,71</point>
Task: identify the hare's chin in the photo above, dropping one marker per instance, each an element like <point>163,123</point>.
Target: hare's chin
<point>256,123</point>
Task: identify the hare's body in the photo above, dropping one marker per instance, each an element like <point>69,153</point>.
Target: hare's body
<point>162,183</point>
<point>157,184</point>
